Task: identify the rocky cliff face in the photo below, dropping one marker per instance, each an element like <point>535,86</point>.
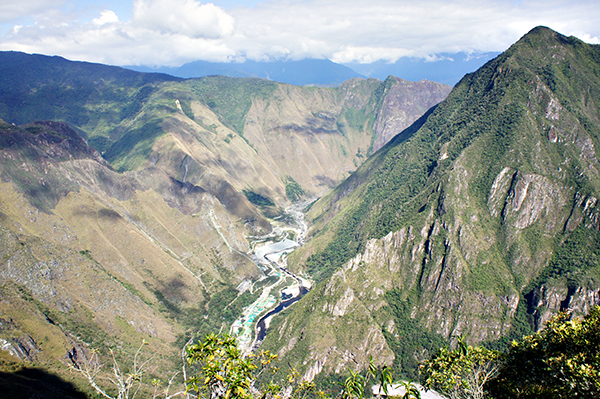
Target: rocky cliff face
<point>402,101</point>
<point>478,221</point>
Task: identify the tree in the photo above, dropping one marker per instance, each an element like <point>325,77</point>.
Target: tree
<point>356,386</point>
<point>461,373</point>
<point>560,361</point>
<point>126,384</point>
<point>223,371</point>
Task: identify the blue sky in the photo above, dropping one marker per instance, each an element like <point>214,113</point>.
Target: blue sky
<point>172,32</point>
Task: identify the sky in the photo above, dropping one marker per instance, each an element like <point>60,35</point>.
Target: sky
<point>173,32</point>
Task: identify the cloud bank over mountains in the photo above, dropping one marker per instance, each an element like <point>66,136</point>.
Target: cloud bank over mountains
<point>173,32</point>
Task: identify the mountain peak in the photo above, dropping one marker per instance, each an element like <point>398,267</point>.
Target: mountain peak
<point>543,37</point>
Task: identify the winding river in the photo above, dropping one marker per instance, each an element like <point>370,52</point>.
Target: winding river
<point>285,288</point>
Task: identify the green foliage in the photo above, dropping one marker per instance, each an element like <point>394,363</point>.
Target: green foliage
<point>560,361</point>
<point>215,258</point>
<point>100,143</point>
<point>187,109</point>
<point>134,148</point>
<point>293,190</point>
<point>223,371</point>
<point>258,199</point>
<point>231,98</point>
<point>412,338</point>
<point>358,385</point>
<point>410,390</point>
<point>461,373</point>
<point>358,119</point>
<point>522,325</point>
<point>573,258</point>
<point>87,253</point>
<point>219,310</point>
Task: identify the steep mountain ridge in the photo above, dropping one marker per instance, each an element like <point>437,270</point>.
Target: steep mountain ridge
<point>478,221</point>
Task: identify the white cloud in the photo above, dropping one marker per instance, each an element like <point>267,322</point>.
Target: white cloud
<point>367,55</point>
<point>106,17</point>
<point>186,17</point>
<point>587,38</point>
<point>172,32</point>
<point>355,30</point>
<point>11,9</point>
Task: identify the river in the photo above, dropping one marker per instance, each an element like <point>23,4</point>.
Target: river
<point>279,287</point>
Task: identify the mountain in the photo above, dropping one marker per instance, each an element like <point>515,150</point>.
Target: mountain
<point>128,207</point>
<point>445,68</point>
<point>39,87</point>
<point>480,220</point>
<point>301,73</point>
<point>96,260</point>
<point>240,129</point>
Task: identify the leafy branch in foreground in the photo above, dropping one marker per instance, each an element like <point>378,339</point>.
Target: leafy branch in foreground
<point>461,373</point>
<point>560,361</point>
<point>218,370</point>
<point>223,371</point>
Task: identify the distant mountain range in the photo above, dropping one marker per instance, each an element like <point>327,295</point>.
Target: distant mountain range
<point>300,73</point>
<point>445,68</point>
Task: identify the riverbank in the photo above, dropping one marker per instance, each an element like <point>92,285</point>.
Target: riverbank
<point>270,255</point>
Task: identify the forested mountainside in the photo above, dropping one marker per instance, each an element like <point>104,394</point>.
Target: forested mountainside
<point>128,214</point>
<point>480,220</point>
